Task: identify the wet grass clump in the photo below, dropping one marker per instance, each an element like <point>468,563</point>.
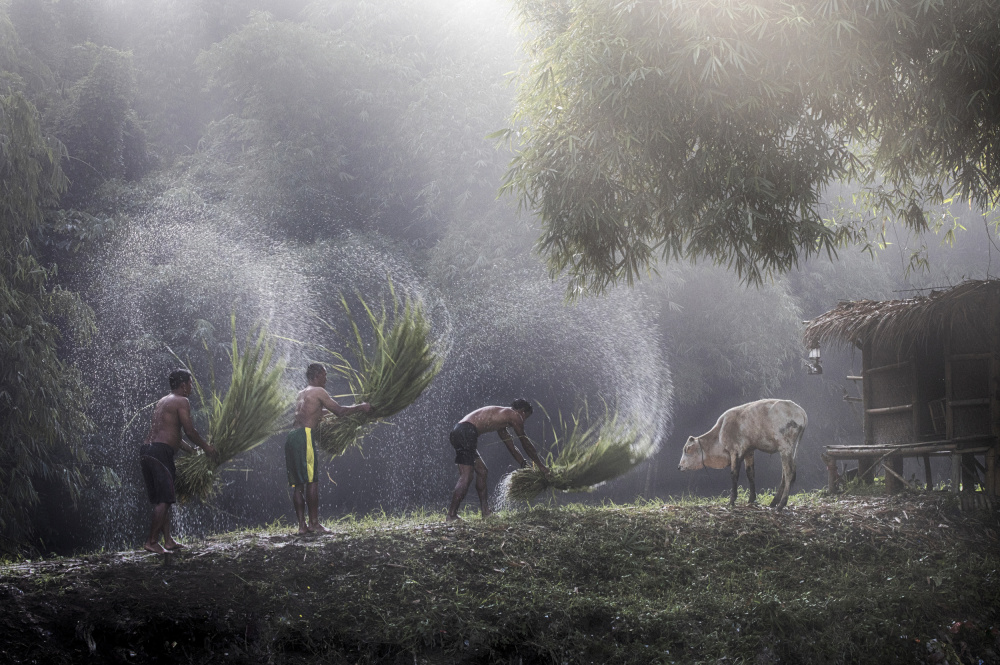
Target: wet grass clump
<point>589,454</point>
<point>391,376</point>
<point>240,420</point>
<point>858,580</point>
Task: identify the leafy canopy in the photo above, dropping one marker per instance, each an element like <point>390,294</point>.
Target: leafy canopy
<point>709,129</point>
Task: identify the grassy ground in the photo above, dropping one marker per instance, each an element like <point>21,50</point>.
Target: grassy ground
<point>829,580</point>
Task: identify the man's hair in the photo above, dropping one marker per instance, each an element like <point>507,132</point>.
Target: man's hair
<point>521,405</point>
<point>314,369</point>
<point>178,378</point>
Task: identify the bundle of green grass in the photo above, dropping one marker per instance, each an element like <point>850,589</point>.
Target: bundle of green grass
<point>245,417</point>
<point>588,455</point>
<point>390,377</point>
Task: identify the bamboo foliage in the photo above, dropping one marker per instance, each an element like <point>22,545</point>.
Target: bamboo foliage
<point>43,398</point>
<point>589,454</point>
<point>650,132</point>
<point>400,365</point>
<point>239,421</point>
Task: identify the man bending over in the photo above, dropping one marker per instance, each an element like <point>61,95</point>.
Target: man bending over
<point>464,437</point>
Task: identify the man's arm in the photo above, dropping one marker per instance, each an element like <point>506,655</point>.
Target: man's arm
<point>515,453</point>
<point>336,409</point>
<point>533,454</point>
<point>184,415</point>
<point>530,448</point>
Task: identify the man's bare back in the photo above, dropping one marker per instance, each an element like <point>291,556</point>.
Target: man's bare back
<point>309,406</point>
<point>312,400</point>
<point>498,419</point>
<point>171,415</point>
<point>495,418</point>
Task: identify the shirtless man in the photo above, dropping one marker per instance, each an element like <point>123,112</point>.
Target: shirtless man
<point>156,456</point>
<point>301,460</point>
<point>464,436</point>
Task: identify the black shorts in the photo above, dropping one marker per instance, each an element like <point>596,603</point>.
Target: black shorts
<point>463,438</point>
<point>157,462</point>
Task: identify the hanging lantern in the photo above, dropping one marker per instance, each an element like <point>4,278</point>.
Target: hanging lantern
<point>814,364</point>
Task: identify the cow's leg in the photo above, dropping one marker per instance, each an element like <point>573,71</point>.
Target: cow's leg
<point>748,462</point>
<point>734,463</point>
<point>787,476</point>
<point>780,489</point>
<point>791,477</point>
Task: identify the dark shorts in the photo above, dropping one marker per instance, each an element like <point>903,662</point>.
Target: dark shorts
<point>301,460</point>
<point>463,438</point>
<point>157,462</point>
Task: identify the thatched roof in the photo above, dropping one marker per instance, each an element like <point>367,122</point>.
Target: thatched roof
<point>901,323</point>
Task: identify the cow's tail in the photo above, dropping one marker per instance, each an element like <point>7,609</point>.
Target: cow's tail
<point>798,439</point>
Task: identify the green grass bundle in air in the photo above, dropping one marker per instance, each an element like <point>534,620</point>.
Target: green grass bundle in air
<point>588,455</point>
<point>244,418</point>
<point>391,376</point>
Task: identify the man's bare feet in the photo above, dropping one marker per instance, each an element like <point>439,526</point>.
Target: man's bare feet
<point>154,548</point>
<point>303,531</point>
<point>487,512</point>
<point>173,548</point>
<point>453,518</point>
<point>318,529</point>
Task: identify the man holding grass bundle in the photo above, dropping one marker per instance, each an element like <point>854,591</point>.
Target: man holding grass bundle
<point>171,414</point>
<point>300,455</point>
<point>464,437</point>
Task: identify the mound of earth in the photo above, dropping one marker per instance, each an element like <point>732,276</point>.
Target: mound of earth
<point>900,579</point>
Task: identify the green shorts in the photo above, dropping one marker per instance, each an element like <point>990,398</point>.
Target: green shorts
<point>301,459</point>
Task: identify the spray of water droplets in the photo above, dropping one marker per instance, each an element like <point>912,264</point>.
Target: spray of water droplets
<point>170,281</point>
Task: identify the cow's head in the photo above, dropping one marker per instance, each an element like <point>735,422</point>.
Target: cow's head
<point>692,456</point>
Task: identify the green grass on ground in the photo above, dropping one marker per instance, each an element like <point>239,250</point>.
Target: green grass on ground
<point>828,580</point>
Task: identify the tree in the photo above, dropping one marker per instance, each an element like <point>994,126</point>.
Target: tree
<point>710,129</point>
<point>42,398</point>
<point>458,54</point>
<point>310,135</point>
<point>364,115</point>
<point>97,124</point>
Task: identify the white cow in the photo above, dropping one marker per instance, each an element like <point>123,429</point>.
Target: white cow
<point>769,425</point>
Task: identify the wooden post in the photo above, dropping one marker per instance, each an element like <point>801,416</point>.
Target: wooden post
<point>992,472</point>
<point>894,473</point>
<point>949,395</point>
<point>949,419</point>
<point>866,465</point>
<point>894,481</point>
<point>832,476</point>
<point>927,472</point>
<point>992,475</point>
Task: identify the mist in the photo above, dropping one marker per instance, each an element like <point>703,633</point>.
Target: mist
<point>256,160</point>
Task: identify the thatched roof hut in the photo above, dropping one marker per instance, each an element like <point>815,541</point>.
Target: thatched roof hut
<point>902,325</point>
<point>930,378</point>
